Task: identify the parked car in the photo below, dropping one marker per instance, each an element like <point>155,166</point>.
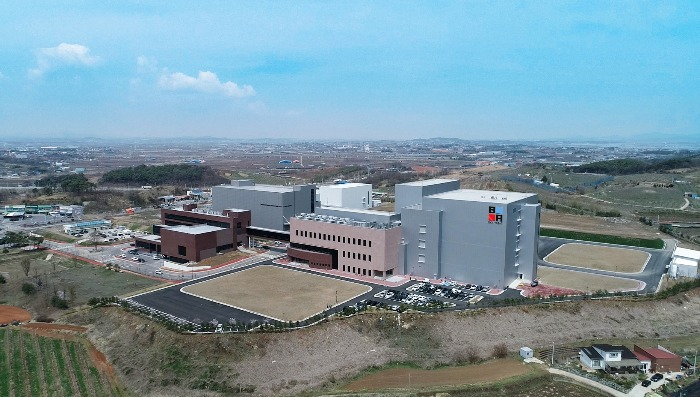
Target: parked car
<point>656,377</point>
<point>646,382</point>
<point>158,271</point>
<point>122,256</point>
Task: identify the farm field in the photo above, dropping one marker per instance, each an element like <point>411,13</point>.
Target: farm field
<point>591,256</point>
<point>408,378</point>
<point>284,294</point>
<point>32,365</point>
<point>584,282</point>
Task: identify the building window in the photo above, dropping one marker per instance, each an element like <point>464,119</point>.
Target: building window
<point>370,243</point>
<point>343,239</point>
<point>343,254</point>
<point>369,258</point>
<point>364,257</point>
<point>364,242</point>
<point>181,250</point>
<point>354,241</point>
<point>353,255</point>
<point>422,229</point>
<point>297,232</point>
<point>421,243</point>
<point>421,258</point>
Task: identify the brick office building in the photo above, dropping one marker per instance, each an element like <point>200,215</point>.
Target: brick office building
<point>191,234</point>
<point>358,247</point>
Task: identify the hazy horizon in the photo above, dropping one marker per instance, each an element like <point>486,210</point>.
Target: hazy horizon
<point>361,70</point>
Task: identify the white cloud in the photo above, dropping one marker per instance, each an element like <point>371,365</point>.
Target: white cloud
<point>206,82</point>
<point>146,65</point>
<point>62,54</point>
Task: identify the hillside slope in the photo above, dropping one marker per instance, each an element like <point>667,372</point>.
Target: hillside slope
<point>153,361</point>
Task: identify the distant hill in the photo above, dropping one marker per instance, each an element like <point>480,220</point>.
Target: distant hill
<point>169,174</point>
<point>635,166</point>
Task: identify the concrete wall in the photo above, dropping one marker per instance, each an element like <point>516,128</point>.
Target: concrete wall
<point>351,195</point>
<point>270,208</point>
<point>461,243</point>
<point>420,226</point>
<point>375,251</point>
<point>367,215</point>
<point>408,194</point>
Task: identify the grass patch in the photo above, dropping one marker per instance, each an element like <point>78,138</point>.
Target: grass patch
<point>62,370</point>
<point>603,238</point>
<point>18,373</point>
<point>77,370</point>
<point>45,352</point>
<point>56,236</point>
<point>32,363</point>
<point>4,366</point>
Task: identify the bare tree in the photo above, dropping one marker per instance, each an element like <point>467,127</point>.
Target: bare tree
<point>26,265</point>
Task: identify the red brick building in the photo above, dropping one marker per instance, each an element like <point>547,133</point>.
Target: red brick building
<point>192,235</point>
<point>661,359</point>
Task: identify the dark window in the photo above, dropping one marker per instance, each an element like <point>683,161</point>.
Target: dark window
<point>354,241</point>
<point>297,232</point>
<point>370,243</point>
<point>364,257</point>
<point>364,242</point>
<point>238,225</point>
<point>181,250</point>
<point>369,257</point>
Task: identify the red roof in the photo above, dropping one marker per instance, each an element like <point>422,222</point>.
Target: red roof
<point>641,356</point>
<point>658,353</point>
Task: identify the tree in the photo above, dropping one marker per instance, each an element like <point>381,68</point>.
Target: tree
<point>26,265</point>
<point>500,350</point>
<point>545,179</point>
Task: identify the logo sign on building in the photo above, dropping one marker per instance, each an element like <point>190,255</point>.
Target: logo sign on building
<point>495,214</point>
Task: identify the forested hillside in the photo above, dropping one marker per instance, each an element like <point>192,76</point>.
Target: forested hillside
<point>169,174</point>
<point>635,166</point>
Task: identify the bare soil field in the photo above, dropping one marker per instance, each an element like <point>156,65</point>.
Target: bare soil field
<point>9,314</point>
<point>297,295</point>
<point>623,260</point>
<point>408,378</point>
<point>584,282</point>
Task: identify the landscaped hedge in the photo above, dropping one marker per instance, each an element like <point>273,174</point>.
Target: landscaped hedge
<point>603,238</point>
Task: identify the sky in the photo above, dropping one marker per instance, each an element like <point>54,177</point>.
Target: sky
<point>361,70</point>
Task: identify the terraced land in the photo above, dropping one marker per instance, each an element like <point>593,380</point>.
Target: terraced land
<point>32,365</point>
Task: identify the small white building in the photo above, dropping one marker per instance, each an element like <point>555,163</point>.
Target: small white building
<point>684,263</point>
<point>526,352</point>
<point>347,195</point>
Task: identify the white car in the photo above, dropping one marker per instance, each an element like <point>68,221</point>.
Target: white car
<point>158,271</point>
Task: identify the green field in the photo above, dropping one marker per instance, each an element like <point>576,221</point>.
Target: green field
<point>79,280</point>
<point>32,365</point>
<point>603,238</point>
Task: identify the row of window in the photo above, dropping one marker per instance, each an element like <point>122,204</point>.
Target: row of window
<point>357,270</point>
<point>334,238</point>
<point>357,255</point>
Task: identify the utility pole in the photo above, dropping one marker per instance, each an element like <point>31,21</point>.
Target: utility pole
<point>552,354</point>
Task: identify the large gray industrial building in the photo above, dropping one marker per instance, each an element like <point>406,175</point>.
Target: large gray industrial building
<point>271,206</point>
<point>477,236</point>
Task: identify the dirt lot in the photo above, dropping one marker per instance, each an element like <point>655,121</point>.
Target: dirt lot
<point>9,314</point>
<point>584,282</point>
<point>407,378</point>
<point>284,294</point>
<point>623,260</point>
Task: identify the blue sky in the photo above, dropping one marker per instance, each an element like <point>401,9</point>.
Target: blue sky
<point>349,69</point>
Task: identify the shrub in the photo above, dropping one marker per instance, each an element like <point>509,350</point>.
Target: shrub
<point>2,279</point>
<point>500,350</point>
<point>5,250</point>
<point>28,288</point>
<point>58,302</point>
